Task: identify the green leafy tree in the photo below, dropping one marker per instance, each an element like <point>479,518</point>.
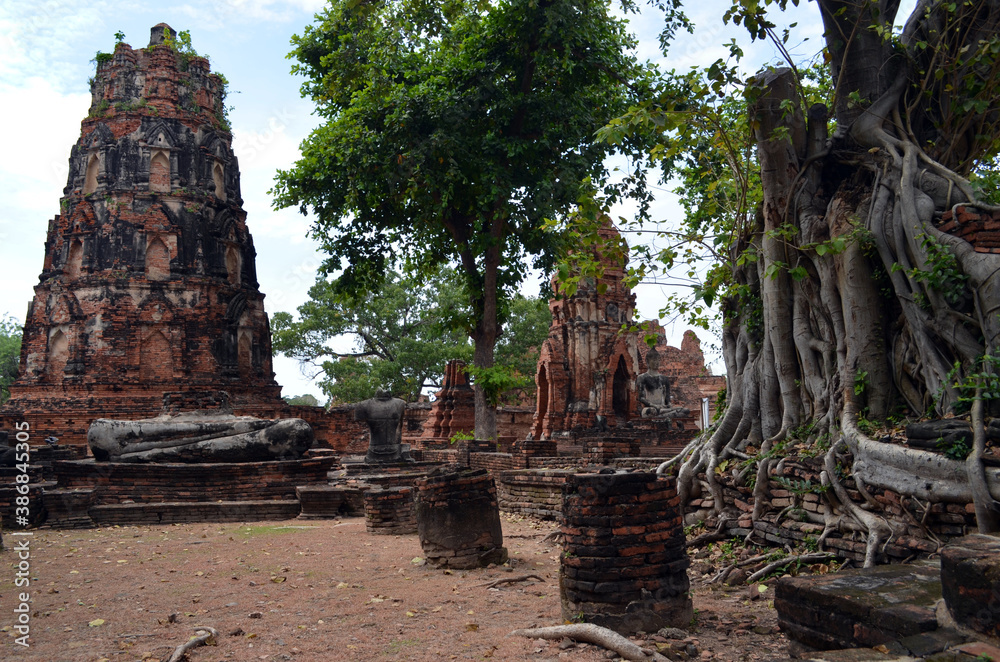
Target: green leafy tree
<point>451,131</point>
<point>401,336</point>
<point>10,354</point>
<point>307,400</point>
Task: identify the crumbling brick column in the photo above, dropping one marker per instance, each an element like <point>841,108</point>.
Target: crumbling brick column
<point>390,511</point>
<point>624,564</point>
<point>458,520</point>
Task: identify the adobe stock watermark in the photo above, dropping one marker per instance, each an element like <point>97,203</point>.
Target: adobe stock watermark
<point>22,539</point>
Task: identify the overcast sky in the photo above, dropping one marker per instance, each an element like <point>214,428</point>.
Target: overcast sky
<point>46,48</point>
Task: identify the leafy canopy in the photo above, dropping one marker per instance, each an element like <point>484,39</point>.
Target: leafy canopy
<point>10,353</point>
<point>452,130</point>
<point>401,337</point>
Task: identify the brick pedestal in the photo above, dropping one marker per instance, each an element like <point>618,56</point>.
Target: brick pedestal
<point>67,509</point>
<point>970,582</point>
<point>327,501</point>
<point>390,511</point>
<point>459,521</point>
<point>624,564</point>
<point>601,450</point>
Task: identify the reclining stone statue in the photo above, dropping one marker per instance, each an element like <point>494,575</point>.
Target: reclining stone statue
<point>199,437</point>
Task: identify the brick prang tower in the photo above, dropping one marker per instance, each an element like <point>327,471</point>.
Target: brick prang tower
<point>149,283</point>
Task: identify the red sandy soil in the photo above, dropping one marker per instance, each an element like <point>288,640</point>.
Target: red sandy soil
<point>320,590</point>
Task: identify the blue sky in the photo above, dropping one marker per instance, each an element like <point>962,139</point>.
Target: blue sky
<point>46,47</point>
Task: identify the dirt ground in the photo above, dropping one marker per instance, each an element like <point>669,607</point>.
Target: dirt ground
<point>319,590</point>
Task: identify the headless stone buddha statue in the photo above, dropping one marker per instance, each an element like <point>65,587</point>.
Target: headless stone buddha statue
<point>215,435</point>
<point>384,416</point>
<point>654,391</point>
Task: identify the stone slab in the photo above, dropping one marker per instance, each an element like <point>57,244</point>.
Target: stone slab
<point>859,608</point>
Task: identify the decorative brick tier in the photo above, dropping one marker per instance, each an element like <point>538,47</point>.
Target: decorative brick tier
<point>119,482</point>
<point>453,411</point>
<point>362,469</point>
<point>458,520</point>
<point>624,563</point>
<point>970,582</point>
<point>533,492</point>
<point>390,511</point>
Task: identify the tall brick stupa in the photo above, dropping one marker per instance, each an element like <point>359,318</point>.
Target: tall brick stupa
<point>587,367</point>
<point>149,283</point>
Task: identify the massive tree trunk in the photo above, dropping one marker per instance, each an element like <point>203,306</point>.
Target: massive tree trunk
<point>867,306</point>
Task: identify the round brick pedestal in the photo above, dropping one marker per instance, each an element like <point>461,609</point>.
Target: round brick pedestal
<point>624,564</point>
<point>390,511</point>
<point>458,520</point>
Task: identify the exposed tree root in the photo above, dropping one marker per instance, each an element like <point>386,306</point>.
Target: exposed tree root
<point>599,636</point>
<point>205,637</point>
<point>512,580</point>
<point>712,536</point>
<point>801,558</point>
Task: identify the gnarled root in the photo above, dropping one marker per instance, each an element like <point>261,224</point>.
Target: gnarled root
<point>204,636</point>
<point>595,634</point>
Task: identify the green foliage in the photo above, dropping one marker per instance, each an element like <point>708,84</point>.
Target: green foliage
<point>958,449</point>
<point>800,486</point>
<point>119,37</point>
<point>403,336</point>
<point>450,133</point>
<point>720,404</point>
<point>306,400</point>
<point>980,382</point>
<point>860,381</point>
<point>462,435</point>
<point>943,274</point>
<point>102,58</point>
<point>10,353</point>
<point>180,44</point>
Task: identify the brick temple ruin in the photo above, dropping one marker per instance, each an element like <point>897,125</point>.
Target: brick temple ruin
<point>148,296</point>
<point>588,365</point>
<point>148,283</point>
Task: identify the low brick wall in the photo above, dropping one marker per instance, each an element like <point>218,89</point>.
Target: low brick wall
<point>494,463</point>
<point>328,501</point>
<point>533,492</point>
<point>803,519</point>
<point>390,511</point>
<point>119,482</point>
<point>170,513</point>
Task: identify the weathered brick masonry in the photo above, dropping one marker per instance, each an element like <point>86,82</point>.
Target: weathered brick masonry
<point>458,520</point>
<point>148,281</point>
<point>624,563</point>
